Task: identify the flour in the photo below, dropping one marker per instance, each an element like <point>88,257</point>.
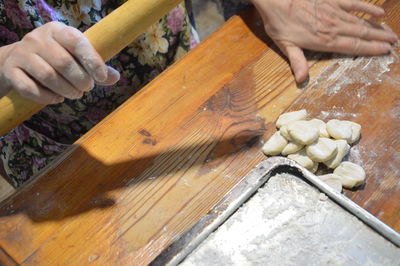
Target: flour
<point>355,156</point>
<point>350,70</point>
<point>290,223</point>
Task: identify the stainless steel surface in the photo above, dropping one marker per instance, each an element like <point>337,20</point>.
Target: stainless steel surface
<point>244,190</point>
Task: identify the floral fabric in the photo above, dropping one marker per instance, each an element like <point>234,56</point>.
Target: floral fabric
<point>31,146</point>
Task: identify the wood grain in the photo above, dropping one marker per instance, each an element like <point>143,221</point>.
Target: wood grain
<point>161,161</point>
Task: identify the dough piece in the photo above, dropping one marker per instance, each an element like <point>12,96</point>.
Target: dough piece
<point>355,131</point>
<point>342,150</point>
<point>339,129</point>
<point>301,158</point>
<point>323,133</point>
<point>303,132</point>
<point>291,147</point>
<point>275,144</point>
<point>286,118</point>
<point>285,133</point>
<point>351,175</point>
<point>333,181</point>
<point>322,150</point>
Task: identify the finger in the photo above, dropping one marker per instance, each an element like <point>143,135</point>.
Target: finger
<point>360,6</point>
<point>112,77</point>
<point>350,18</point>
<point>43,73</point>
<point>27,88</point>
<point>356,46</point>
<point>80,47</point>
<point>63,62</point>
<point>367,31</point>
<point>387,28</point>
<point>298,63</point>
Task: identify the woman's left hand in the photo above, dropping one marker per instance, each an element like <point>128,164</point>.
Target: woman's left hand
<point>323,25</point>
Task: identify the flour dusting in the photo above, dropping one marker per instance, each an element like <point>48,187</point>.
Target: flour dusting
<point>290,223</point>
<point>350,70</point>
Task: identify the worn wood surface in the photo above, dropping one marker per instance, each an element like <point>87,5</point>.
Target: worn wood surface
<point>155,166</point>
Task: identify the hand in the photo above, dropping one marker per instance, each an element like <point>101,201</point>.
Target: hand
<point>323,25</point>
<point>51,63</point>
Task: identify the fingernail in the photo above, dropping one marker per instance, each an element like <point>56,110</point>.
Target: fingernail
<point>395,37</point>
<point>114,71</point>
<point>304,84</point>
<point>101,74</point>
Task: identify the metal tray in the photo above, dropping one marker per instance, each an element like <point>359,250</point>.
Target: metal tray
<point>246,189</point>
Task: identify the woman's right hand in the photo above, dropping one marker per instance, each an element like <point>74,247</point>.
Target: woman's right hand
<point>51,63</point>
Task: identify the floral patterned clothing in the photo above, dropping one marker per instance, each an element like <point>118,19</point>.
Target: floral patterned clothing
<point>31,146</point>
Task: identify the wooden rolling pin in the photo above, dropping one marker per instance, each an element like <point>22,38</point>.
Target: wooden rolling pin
<point>109,37</point>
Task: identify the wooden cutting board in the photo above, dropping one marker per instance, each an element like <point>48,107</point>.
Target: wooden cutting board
<point>148,172</point>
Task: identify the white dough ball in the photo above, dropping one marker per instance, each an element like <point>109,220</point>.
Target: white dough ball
<point>322,150</point>
<point>355,131</point>
<point>303,132</point>
<point>339,129</point>
<point>333,181</point>
<point>289,117</point>
<point>351,174</point>
<point>291,147</point>
<point>323,133</point>
<point>301,158</point>
<point>285,133</point>
<point>343,149</point>
<point>275,144</point>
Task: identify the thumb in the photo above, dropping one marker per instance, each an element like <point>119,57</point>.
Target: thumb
<point>298,63</point>
<point>112,77</point>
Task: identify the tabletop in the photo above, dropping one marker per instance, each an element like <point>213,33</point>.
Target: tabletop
<point>150,170</point>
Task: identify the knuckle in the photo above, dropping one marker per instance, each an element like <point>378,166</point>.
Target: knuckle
<point>364,32</point>
<point>356,45</point>
<point>327,39</point>
<point>330,43</point>
<point>47,74</point>
<point>332,33</point>
<point>54,24</point>
<point>64,62</point>
<point>360,22</point>
<point>88,84</point>
<point>31,37</point>
<point>18,52</point>
<point>72,35</point>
